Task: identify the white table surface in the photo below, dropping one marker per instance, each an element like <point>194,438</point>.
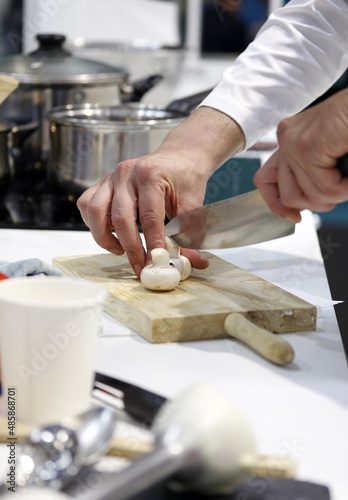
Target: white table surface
<point>299,411</point>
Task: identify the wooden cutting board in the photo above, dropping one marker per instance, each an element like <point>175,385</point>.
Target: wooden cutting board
<point>197,308</point>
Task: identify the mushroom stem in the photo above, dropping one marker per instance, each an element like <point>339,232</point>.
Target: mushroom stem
<point>160,257</point>
<point>181,262</point>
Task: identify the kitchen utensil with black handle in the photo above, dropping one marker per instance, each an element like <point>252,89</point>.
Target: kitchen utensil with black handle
<point>139,403</point>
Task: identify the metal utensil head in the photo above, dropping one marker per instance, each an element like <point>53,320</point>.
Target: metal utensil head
<point>47,459</point>
<point>53,455</point>
<point>242,220</point>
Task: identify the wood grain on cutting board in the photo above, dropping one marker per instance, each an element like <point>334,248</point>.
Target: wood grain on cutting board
<point>197,308</point>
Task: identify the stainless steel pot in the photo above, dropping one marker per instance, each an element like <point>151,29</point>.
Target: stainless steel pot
<point>88,141</point>
<point>139,57</point>
<point>51,76</point>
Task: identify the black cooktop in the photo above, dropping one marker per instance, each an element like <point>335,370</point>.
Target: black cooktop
<point>28,201</point>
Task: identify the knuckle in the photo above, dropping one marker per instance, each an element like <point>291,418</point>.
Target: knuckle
<point>147,170</point>
<point>93,207</point>
<point>284,129</point>
<point>83,200</point>
<point>123,170</point>
<point>81,204</point>
<point>119,219</point>
<point>132,253</point>
<point>149,220</point>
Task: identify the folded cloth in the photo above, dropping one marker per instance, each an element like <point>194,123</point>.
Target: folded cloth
<point>27,267</point>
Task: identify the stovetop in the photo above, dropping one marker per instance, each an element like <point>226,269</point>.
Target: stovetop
<point>29,202</point>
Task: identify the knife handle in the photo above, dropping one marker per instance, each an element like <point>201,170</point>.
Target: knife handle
<point>342,165</point>
<point>269,345</point>
<point>139,403</point>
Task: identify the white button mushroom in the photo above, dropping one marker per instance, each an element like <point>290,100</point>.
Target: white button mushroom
<point>160,275</point>
<point>181,262</point>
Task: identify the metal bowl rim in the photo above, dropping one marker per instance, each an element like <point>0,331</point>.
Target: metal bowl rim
<point>61,116</point>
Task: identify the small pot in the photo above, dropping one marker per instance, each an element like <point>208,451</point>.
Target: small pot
<point>50,76</point>
<point>88,141</point>
<point>138,56</point>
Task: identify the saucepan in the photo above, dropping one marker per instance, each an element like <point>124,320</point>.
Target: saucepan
<point>140,56</point>
<point>51,76</point>
<point>88,141</point>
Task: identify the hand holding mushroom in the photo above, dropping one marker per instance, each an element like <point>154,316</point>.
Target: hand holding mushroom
<point>168,268</point>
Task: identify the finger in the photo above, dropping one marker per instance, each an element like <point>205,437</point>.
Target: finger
<point>151,197</point>
<point>297,189</point>
<point>266,180</point>
<point>330,183</point>
<point>83,201</point>
<point>98,217</point>
<point>198,260</point>
<point>124,216</point>
<point>124,221</point>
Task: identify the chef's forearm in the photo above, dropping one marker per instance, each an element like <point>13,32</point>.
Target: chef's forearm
<point>209,135</point>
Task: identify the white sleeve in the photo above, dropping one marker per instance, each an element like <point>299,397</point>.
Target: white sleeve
<point>300,51</point>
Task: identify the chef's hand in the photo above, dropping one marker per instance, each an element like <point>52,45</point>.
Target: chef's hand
<point>302,173</point>
<point>168,182</point>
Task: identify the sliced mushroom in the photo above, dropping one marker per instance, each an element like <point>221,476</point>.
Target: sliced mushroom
<point>181,262</point>
<point>160,275</point>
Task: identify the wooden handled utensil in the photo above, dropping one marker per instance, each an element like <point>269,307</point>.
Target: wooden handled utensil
<point>7,85</point>
<point>269,345</point>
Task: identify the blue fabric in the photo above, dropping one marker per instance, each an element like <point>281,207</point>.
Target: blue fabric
<point>27,267</point>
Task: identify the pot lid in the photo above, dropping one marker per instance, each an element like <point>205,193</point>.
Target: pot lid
<point>52,65</point>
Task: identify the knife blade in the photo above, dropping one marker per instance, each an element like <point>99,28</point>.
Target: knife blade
<point>242,220</point>
<point>139,403</point>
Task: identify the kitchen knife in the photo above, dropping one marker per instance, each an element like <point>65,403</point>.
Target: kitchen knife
<point>139,403</point>
<point>242,220</point>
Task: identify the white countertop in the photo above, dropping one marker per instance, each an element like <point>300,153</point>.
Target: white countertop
<point>299,411</point>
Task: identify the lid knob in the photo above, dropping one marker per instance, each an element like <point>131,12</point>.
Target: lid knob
<point>50,45</point>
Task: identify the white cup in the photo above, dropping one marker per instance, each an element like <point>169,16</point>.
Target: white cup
<point>48,339</point>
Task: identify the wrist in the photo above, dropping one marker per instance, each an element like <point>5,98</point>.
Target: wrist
<point>208,134</point>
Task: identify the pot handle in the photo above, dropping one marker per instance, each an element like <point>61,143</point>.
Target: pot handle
<point>20,132</point>
<point>50,45</point>
<point>188,104</point>
<point>133,92</point>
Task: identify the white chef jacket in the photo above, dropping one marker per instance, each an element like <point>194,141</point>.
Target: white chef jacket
<point>300,51</point>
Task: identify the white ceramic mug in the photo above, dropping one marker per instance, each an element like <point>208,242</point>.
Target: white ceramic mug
<point>48,338</point>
